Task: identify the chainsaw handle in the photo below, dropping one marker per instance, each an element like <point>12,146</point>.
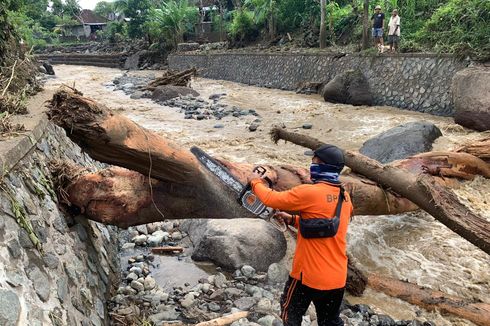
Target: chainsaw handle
<point>262,170</point>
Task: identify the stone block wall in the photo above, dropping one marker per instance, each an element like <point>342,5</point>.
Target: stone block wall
<point>419,82</point>
<point>66,279</point>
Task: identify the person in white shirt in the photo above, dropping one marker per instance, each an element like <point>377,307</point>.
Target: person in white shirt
<point>394,31</point>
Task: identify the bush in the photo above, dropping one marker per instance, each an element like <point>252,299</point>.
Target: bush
<point>115,32</point>
<point>242,27</point>
<point>461,27</point>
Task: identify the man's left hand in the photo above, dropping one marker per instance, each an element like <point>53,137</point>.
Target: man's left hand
<point>254,175</point>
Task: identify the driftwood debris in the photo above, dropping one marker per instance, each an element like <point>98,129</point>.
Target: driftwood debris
<point>172,77</point>
<point>168,249</point>
<point>225,320</point>
<point>476,312</point>
<point>422,189</point>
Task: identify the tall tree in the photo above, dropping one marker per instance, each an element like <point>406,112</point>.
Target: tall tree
<point>365,23</point>
<point>322,24</point>
<point>72,8</point>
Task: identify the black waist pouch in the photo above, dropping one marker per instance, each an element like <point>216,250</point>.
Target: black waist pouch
<point>322,227</point>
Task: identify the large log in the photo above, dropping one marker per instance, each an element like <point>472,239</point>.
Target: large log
<point>189,190</point>
<point>476,312</point>
<point>421,189</point>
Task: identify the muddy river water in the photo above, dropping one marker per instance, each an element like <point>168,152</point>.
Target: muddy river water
<point>412,247</point>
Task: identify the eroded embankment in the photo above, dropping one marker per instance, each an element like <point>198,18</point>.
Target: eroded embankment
<point>54,269</point>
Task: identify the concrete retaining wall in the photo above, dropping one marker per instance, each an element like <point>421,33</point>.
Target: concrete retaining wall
<point>409,81</point>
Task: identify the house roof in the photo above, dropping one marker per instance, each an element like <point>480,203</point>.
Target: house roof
<point>88,17</point>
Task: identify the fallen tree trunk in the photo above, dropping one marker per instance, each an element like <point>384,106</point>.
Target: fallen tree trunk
<point>421,189</point>
<point>479,149</point>
<point>186,189</point>
<point>476,312</point>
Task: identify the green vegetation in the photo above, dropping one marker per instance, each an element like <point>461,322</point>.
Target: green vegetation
<point>451,26</point>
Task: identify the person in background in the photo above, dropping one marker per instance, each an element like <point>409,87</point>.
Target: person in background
<point>378,19</point>
<point>319,270</point>
<point>394,31</point>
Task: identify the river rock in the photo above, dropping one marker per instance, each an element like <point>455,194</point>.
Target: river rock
<point>142,229</point>
<point>156,239</point>
<point>137,286</point>
<point>149,283</point>
<point>247,271</point>
<point>471,98</point>
<point>139,239</point>
<point>219,280</point>
<point>267,320</point>
<point>167,92</point>
<point>188,300</point>
<point>244,303</point>
<point>349,87</point>
<point>9,308</point>
<point>231,245</point>
<point>401,142</point>
<point>153,227</point>
<point>128,246</point>
<point>276,273</point>
<point>169,313</point>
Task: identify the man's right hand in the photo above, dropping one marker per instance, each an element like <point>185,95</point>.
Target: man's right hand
<point>287,218</point>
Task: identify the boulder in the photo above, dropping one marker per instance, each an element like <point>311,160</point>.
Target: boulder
<point>471,98</point>
<point>231,244</point>
<point>49,68</point>
<point>167,92</point>
<point>349,87</point>
<point>401,142</point>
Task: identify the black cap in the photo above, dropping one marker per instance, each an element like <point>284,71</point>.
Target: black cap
<point>329,154</point>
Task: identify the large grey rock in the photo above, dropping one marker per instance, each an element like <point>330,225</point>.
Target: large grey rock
<point>401,142</point>
<point>9,308</point>
<point>471,97</point>
<point>167,92</point>
<point>231,244</point>
<point>349,87</point>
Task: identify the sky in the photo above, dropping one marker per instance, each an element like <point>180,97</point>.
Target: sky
<point>89,4</point>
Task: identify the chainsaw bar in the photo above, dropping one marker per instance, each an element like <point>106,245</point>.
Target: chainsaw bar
<point>218,170</point>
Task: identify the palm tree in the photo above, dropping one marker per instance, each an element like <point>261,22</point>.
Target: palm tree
<point>172,19</point>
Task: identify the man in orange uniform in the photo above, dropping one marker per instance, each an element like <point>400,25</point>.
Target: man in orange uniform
<point>319,269</point>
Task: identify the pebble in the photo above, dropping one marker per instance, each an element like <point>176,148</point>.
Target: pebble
<point>176,236</point>
<point>219,280</point>
<point>253,127</point>
<point>219,126</point>
<point>136,270</point>
<point>247,271</point>
<point>128,246</point>
<point>137,286</point>
<point>132,277</point>
<point>307,126</point>
<point>139,240</point>
<point>213,306</point>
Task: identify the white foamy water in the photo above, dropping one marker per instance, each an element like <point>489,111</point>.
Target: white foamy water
<point>412,247</point>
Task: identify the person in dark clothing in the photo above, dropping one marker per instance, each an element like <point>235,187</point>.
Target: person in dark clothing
<point>378,19</point>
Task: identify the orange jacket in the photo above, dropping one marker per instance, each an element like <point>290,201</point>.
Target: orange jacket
<point>320,263</point>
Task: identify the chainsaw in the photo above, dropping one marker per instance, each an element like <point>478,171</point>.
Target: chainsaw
<point>245,197</point>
